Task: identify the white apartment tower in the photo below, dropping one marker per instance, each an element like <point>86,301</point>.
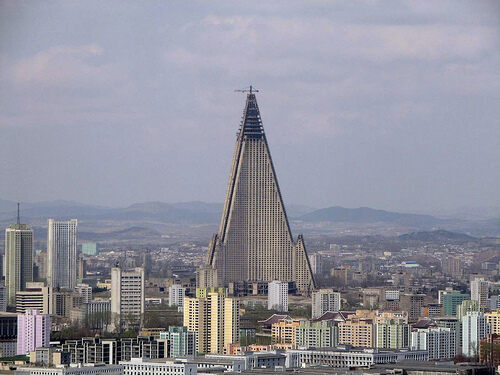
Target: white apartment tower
<point>479,289</point>
<point>127,297</point>
<point>324,300</point>
<point>277,296</point>
<point>440,343</point>
<point>475,327</point>
<point>176,295</point>
<point>18,265</point>
<point>62,254</point>
<point>254,242</point>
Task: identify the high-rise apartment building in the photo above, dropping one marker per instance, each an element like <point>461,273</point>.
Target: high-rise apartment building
<point>18,263</point>
<point>85,291</point>
<point>358,329</point>
<point>277,296</point>
<point>127,297</point>
<point>316,265</point>
<point>479,289</point>
<point>439,342</point>
<point>452,266</point>
<point>356,332</point>
<point>33,331</point>
<point>181,341</point>
<point>214,317</point>
<point>475,327</point>
<point>284,332</point>
<point>62,254</point>
<point>324,300</point>
<point>493,318</point>
<point>254,242</point>
<point>392,334</point>
<point>412,303</point>
<point>176,295</point>
<point>321,334</point>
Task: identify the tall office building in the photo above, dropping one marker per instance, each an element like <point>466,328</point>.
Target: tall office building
<point>61,254</point>
<point>324,300</point>
<point>176,295</point>
<point>479,289</point>
<point>254,242</point>
<point>277,296</point>
<point>214,317</point>
<point>33,331</point>
<point>18,259</point>
<point>127,297</point>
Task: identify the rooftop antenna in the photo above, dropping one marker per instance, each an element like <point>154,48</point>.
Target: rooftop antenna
<point>18,216</point>
<point>250,90</point>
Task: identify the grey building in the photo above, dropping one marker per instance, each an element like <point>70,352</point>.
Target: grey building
<point>62,254</point>
<point>254,242</point>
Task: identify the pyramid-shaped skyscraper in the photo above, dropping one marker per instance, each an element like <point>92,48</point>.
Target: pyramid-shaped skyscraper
<point>254,242</point>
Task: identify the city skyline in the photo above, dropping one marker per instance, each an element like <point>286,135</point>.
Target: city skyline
<point>398,98</point>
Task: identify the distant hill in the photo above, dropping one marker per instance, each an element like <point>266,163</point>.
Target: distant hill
<point>437,236</point>
<point>364,215</point>
<point>194,212</point>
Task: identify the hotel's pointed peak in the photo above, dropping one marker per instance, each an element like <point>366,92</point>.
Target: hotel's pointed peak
<point>251,123</point>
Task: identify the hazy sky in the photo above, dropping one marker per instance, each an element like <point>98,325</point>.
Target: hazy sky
<point>387,104</point>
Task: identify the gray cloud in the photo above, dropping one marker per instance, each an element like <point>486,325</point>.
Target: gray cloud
<point>390,104</point>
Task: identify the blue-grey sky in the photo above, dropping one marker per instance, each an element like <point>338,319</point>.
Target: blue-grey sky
<point>387,104</point>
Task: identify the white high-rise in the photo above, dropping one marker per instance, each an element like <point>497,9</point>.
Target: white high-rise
<point>475,327</point>
<point>324,300</point>
<point>440,343</point>
<point>277,296</point>
<point>127,297</point>
<point>479,289</point>
<point>176,296</point>
<point>61,254</point>
<point>18,259</point>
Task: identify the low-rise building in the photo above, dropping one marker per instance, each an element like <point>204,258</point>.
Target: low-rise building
<point>142,366</point>
<point>349,357</point>
<point>97,369</point>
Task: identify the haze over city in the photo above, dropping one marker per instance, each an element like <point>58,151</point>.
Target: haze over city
<point>390,105</point>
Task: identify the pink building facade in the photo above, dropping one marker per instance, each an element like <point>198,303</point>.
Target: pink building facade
<point>33,331</point>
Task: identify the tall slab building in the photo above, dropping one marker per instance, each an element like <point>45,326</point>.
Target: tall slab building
<point>18,259</point>
<point>254,242</point>
<point>61,253</point>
